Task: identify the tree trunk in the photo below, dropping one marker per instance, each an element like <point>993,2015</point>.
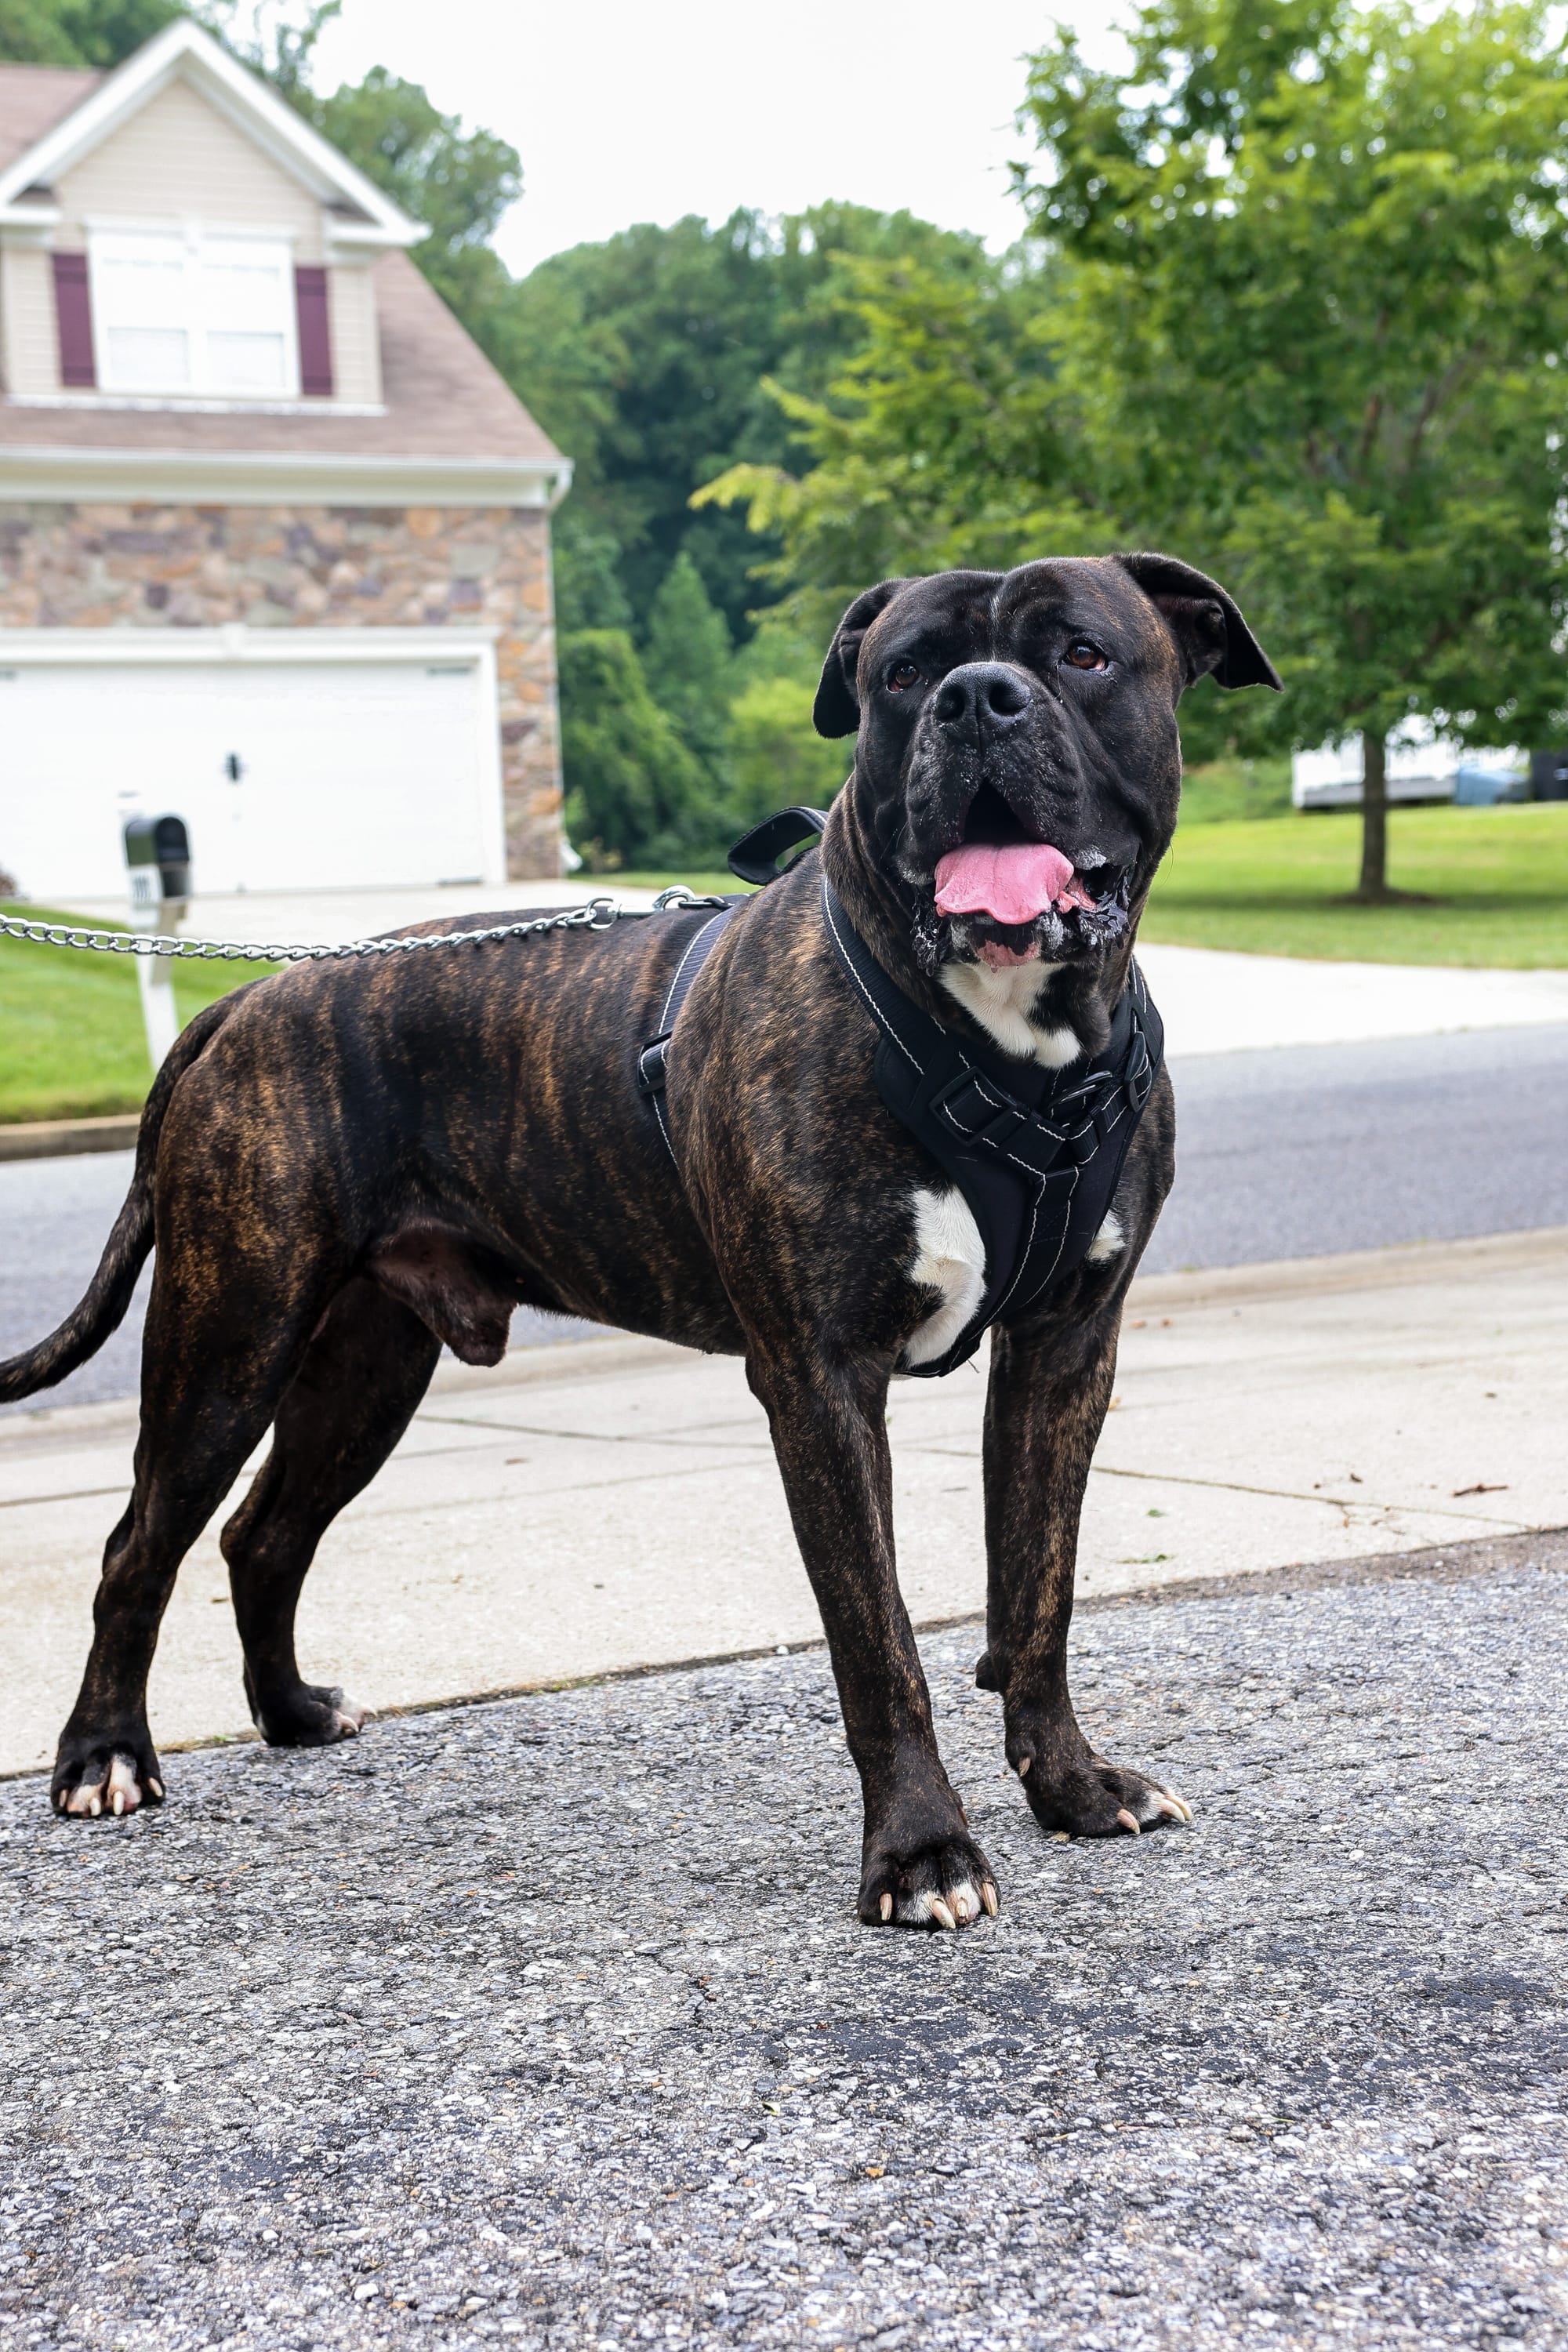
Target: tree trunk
<point>1373,883</point>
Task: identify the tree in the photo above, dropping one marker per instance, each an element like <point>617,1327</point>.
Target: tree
<point>645,357</point>
<point>1315,307</point>
<point>88,33</point>
<point>942,437</point>
<point>458,182</point>
<point>689,661</point>
<point>777,758</point>
<point>634,794</point>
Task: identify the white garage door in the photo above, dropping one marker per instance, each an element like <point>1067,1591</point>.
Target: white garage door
<point>291,776</point>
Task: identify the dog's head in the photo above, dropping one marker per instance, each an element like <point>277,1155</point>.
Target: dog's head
<point>1017,766</point>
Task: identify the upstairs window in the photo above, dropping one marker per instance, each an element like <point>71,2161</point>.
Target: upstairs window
<point>181,312</point>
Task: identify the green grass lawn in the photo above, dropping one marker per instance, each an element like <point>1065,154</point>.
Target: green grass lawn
<point>1498,879</point>
<point>71,1040</point>
<point>70,1024</point>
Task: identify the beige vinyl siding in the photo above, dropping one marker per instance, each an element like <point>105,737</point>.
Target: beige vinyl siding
<point>30,348</point>
<point>179,159</point>
<point>356,346</point>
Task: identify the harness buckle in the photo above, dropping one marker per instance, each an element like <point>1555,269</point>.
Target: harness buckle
<point>986,1123</point>
<point>653,1064</point>
<point>1139,1081</point>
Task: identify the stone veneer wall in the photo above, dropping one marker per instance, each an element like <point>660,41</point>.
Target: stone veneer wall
<point>103,567</point>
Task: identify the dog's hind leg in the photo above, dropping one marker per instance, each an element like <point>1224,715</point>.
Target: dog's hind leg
<point>213,1364</point>
<point>354,1396</point>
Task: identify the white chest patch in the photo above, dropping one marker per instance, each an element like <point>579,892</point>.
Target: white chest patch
<point>1004,1003</point>
<point>1108,1242</point>
<point>949,1257</point>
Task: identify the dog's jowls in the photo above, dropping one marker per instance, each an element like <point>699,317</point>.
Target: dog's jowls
<point>349,1164</point>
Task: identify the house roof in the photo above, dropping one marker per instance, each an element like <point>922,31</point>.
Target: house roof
<point>98,103</point>
<point>450,427</point>
<point>33,98</point>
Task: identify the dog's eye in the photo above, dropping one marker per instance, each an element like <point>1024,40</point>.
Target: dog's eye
<point>902,676</point>
<point>1083,654</point>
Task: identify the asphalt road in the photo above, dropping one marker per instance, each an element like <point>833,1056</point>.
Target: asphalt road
<point>549,2021</point>
<point>1297,1152</point>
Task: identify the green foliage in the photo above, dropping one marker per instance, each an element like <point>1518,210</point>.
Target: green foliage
<point>688,659</point>
<point>633,791</point>
<point>777,758</point>
<point>1300,313</point>
<point>939,439</point>
<point>84,32</point>
<point>645,357</point>
<point>1317,302</point>
<point>588,591</point>
<point>458,182</point>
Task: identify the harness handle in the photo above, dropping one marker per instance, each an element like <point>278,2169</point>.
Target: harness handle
<point>755,856</point>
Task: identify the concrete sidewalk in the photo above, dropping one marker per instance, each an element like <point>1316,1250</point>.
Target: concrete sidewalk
<point>615,1504</point>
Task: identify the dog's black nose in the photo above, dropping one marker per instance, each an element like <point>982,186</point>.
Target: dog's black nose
<point>988,693</point>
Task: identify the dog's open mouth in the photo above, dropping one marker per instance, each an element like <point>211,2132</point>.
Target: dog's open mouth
<point>1029,891</point>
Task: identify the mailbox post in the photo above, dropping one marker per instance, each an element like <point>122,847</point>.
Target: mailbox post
<point>158,858</point>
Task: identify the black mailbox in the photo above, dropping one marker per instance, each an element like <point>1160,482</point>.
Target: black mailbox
<point>1549,775</point>
<point>162,842</point>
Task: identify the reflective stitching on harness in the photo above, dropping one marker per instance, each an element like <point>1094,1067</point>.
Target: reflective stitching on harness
<point>692,946</point>
<point>666,1032</point>
<point>871,1001</point>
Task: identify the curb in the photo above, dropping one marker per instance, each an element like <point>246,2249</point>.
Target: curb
<point>54,1138</point>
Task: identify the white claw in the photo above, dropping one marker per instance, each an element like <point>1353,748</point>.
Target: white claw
<point>155,1786</point>
<point>988,1897</point>
<point>95,1804</point>
<point>941,1913</point>
<point>117,1802</point>
<point>886,1908</point>
<point>124,1796</point>
<point>1024,1765</point>
<point>1129,1821</point>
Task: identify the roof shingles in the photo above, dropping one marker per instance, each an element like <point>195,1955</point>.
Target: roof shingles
<point>442,398</point>
<point>33,98</point>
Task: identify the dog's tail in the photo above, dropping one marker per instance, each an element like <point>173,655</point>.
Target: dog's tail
<point>109,1294</point>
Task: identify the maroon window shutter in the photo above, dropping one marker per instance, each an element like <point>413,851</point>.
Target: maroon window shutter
<point>73,314</point>
<point>315,330</point>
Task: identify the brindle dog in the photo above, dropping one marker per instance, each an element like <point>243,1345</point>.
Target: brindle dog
<point>349,1163</point>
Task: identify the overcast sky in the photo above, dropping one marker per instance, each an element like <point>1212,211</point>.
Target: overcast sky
<point>627,111</point>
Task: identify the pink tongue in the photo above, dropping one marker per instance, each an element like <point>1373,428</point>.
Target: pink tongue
<point>1012,884</point>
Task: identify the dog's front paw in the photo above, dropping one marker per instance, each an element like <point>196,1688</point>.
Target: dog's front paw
<point>1086,1796</point>
<point>947,1883</point>
<point>305,1715</point>
<point>106,1777</point>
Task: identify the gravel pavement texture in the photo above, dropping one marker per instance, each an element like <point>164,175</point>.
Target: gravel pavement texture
<point>1299,1151</point>
<point>547,2019</point>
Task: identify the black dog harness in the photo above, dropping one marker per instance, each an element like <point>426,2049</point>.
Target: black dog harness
<point>1037,1153</point>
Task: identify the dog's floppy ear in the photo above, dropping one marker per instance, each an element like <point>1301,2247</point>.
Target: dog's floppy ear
<point>836,710</point>
<point>1205,623</point>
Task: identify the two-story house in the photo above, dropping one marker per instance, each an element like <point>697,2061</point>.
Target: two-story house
<point>274,534</point>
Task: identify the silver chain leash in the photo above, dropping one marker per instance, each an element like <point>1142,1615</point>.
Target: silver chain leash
<point>598,915</point>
